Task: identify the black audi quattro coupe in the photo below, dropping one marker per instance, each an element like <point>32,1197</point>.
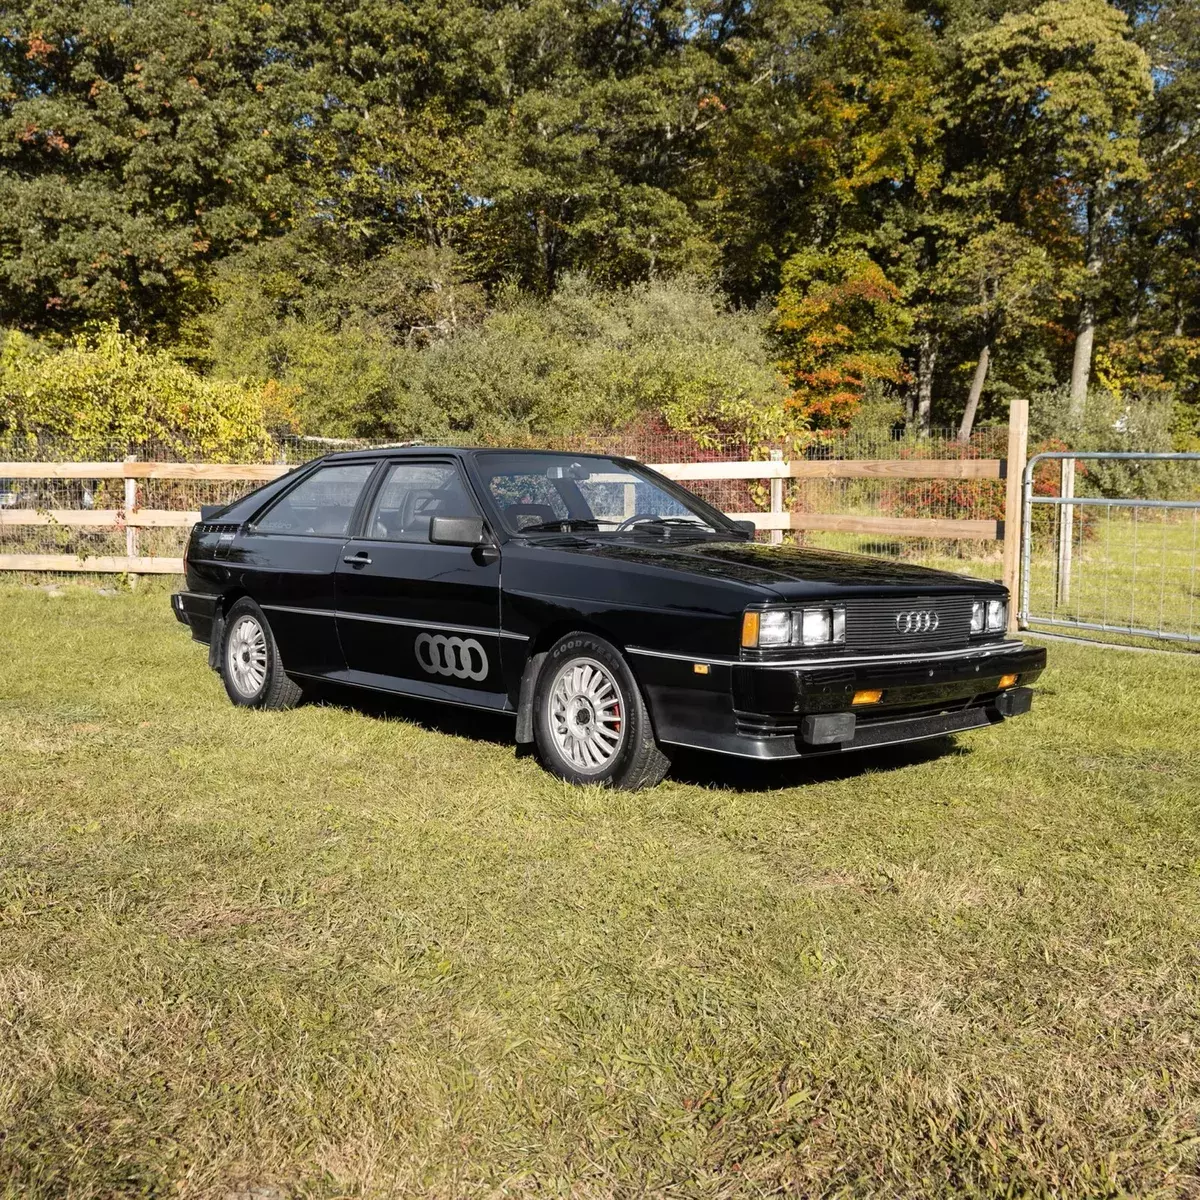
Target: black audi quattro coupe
<point>611,612</point>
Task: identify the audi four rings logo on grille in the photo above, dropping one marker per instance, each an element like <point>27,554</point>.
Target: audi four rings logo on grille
<point>464,658</point>
<point>917,620</point>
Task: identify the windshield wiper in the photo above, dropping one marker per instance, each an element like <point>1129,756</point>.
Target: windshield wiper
<point>566,525</point>
<point>672,523</point>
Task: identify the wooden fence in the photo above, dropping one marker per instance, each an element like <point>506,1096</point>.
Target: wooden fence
<point>776,472</point>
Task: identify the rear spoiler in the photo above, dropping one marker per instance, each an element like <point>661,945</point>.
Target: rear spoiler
<point>208,511</point>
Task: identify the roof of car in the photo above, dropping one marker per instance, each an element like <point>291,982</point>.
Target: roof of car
<point>419,448</point>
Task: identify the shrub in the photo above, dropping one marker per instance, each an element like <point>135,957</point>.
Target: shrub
<point>108,390</point>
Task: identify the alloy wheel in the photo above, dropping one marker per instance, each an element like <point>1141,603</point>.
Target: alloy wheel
<point>586,719</point>
<point>247,655</point>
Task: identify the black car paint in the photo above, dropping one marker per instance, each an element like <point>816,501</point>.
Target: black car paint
<point>673,604</point>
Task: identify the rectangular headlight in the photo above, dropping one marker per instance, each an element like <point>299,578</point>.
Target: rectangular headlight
<point>978,616</point>
<point>775,629</point>
<point>814,626</point>
<point>819,626</point>
<point>997,616</point>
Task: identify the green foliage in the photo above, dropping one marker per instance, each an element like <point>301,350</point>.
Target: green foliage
<point>138,142</point>
<point>583,358</point>
<point>109,389</point>
<point>588,357</point>
<point>317,194</point>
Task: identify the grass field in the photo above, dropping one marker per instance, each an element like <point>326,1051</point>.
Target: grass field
<point>336,952</point>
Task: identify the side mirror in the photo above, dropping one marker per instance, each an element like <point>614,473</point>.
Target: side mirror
<point>456,531</point>
<point>747,527</point>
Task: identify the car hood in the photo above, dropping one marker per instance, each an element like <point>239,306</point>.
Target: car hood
<point>787,570</point>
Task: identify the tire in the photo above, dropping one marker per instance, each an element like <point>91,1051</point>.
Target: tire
<point>590,722</point>
<point>250,665</point>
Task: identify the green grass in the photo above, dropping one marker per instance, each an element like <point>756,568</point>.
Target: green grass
<point>339,953</point>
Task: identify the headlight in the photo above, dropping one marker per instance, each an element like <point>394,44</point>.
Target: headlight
<point>767,629</point>
<point>997,616</point>
<point>775,629</point>
<point>990,616</point>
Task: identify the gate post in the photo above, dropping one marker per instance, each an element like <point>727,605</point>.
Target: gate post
<point>1018,449</point>
<point>1066,530</point>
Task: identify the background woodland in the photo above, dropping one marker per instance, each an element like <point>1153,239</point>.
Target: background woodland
<point>482,219</point>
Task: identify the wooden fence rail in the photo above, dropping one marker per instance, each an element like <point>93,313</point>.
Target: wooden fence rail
<point>131,518</point>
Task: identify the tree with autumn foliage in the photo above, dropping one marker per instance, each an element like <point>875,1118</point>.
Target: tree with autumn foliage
<point>949,204</point>
<point>840,327</point>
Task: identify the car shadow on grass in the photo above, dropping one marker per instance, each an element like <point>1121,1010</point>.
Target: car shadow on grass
<point>746,775</point>
<point>477,724</point>
<point>687,766</point>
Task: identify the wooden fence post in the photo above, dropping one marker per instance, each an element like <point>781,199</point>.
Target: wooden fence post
<point>1066,530</point>
<point>1018,449</point>
<point>777,498</point>
<point>131,538</point>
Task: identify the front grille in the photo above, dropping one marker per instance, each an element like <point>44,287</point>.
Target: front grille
<point>880,625</point>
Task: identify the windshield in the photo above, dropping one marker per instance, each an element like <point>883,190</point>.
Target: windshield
<point>550,493</point>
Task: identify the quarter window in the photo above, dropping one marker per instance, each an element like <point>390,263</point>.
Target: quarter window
<point>321,506</point>
<point>412,494</point>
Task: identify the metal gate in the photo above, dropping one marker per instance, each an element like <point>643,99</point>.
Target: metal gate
<point>1121,565</point>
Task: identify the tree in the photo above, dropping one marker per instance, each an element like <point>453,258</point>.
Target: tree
<point>996,285</point>
<point>840,327</point>
<point>1057,92</point>
<point>138,144</point>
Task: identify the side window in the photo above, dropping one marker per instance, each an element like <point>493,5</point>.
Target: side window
<point>411,494</point>
<point>321,506</point>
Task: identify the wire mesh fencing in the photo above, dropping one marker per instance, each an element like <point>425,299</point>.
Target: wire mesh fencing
<point>1126,564</point>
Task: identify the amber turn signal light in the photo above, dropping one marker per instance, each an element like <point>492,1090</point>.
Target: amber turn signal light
<point>750,629</point>
<point>869,696</point>
<point>1006,681</point>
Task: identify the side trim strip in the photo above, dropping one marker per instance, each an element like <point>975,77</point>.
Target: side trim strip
<point>304,612</point>
<point>347,616</point>
<point>504,633</point>
<point>932,656</point>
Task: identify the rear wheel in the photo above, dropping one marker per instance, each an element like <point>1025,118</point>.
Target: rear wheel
<point>250,665</point>
<point>590,721</point>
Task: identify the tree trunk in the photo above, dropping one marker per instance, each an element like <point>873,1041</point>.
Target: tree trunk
<point>1085,339</point>
<point>981,370</point>
<point>925,364</point>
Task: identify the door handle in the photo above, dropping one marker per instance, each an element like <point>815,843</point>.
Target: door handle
<point>361,559</point>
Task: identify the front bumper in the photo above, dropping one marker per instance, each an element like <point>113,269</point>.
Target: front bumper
<point>796,710</point>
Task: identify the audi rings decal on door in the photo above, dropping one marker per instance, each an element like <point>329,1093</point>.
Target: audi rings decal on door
<point>464,658</point>
<point>917,620</point>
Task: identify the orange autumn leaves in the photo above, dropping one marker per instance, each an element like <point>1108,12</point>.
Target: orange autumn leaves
<point>840,326</point>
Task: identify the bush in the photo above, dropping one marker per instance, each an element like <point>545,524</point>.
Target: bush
<point>109,390</point>
<point>1114,421</point>
<point>585,358</point>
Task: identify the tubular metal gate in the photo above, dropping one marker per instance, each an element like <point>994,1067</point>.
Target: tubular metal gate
<point>1122,565</point>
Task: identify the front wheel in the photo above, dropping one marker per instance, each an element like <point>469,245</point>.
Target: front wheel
<point>250,665</point>
<point>590,721</point>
